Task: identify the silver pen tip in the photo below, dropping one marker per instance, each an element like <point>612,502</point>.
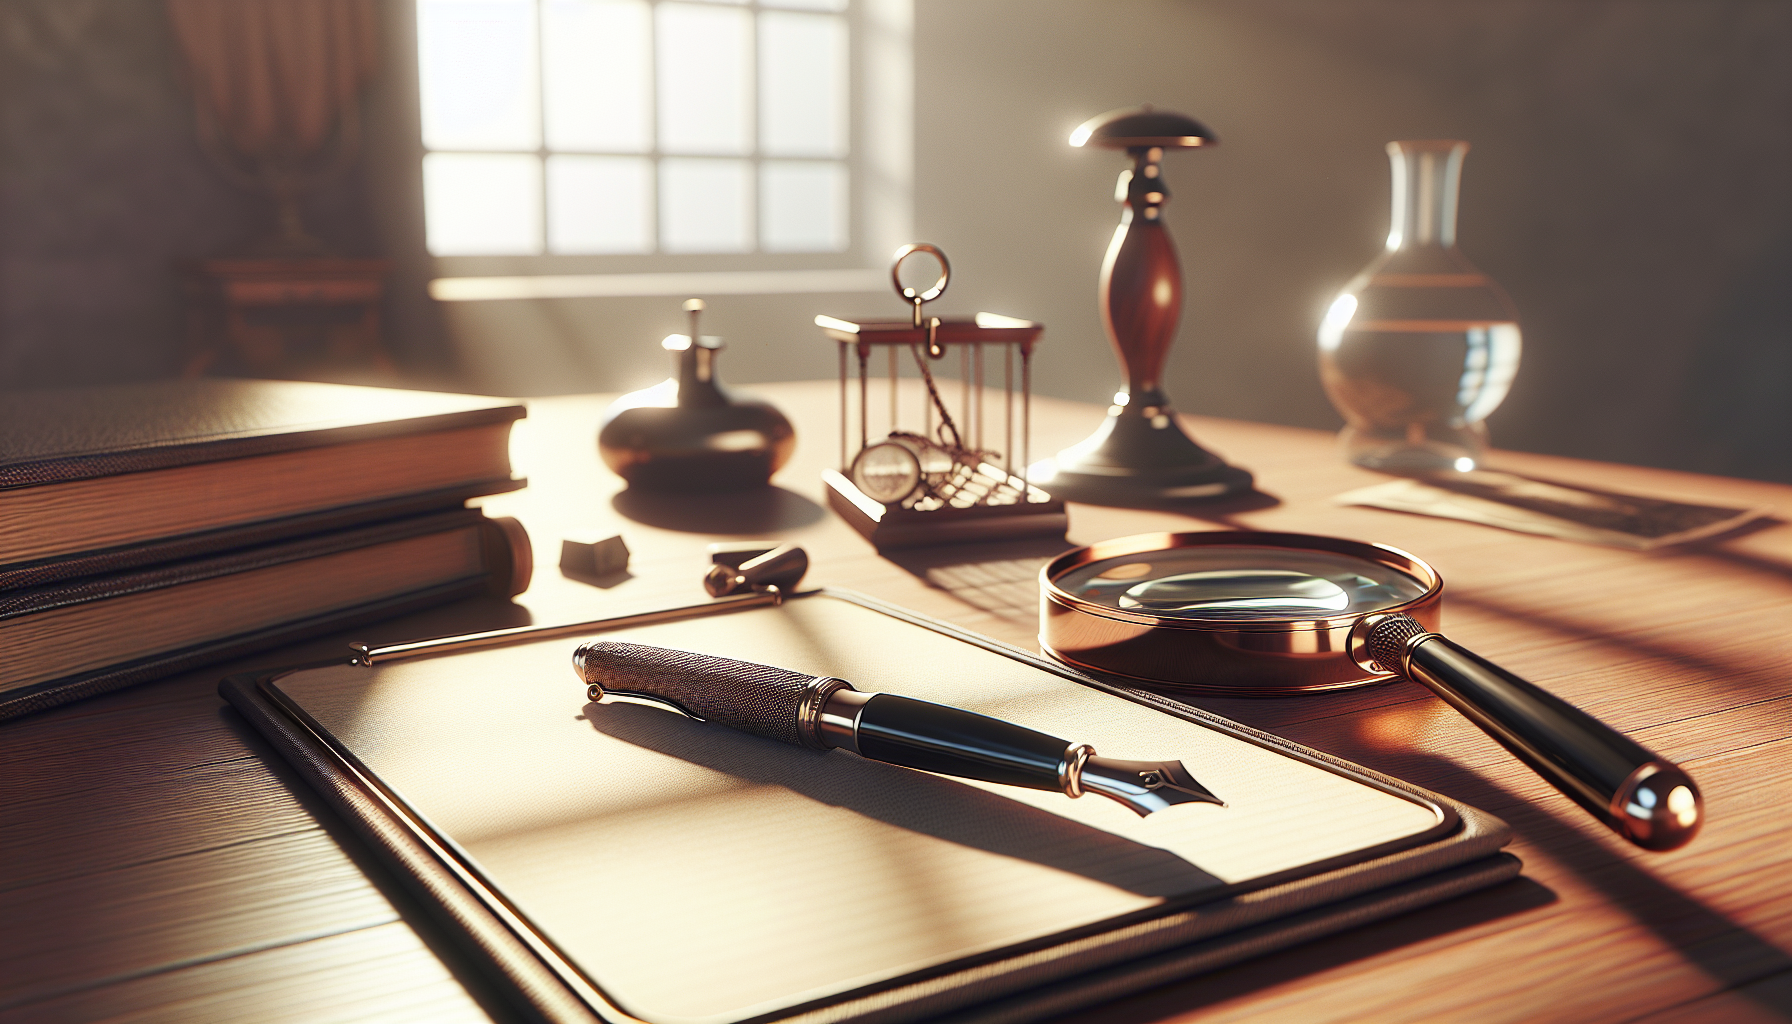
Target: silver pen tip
<point>1145,786</point>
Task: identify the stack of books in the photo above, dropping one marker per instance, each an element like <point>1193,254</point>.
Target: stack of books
<point>150,529</point>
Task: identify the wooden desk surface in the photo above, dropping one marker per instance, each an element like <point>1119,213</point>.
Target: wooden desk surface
<point>157,862</point>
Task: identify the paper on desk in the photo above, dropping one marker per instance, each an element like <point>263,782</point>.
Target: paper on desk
<point>698,874</point>
<point>1552,509</point>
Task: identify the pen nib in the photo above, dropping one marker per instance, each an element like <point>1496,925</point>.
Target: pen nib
<point>1145,786</point>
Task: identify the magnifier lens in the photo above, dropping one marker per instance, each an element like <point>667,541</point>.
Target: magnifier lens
<point>1230,612</point>
<point>1237,582</point>
<point>886,472</point>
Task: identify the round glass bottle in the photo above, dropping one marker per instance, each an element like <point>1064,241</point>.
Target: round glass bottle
<point>1421,346</point>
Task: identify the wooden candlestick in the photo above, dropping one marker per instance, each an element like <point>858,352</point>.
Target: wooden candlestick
<point>1140,455</point>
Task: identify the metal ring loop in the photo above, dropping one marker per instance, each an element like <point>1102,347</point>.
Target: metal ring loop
<point>937,289</point>
<point>1070,769</point>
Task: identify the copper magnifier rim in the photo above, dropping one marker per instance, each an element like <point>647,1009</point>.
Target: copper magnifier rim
<point>1226,657</point>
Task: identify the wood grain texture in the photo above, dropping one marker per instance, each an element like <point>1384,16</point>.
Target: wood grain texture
<point>1761,1002</point>
<point>380,973</point>
<point>155,864</point>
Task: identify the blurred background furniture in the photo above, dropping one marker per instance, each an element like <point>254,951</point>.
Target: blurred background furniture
<point>277,316</point>
<point>276,97</point>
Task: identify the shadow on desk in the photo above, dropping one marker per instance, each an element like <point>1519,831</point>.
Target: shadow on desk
<point>1183,1000</point>
<point>1212,510</point>
<point>730,514</point>
<point>1002,578</point>
<point>1218,509</point>
<point>1754,562</point>
<point>1729,953</point>
<point>910,800</point>
<point>442,936</point>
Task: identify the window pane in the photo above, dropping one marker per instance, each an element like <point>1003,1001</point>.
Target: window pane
<point>477,204</point>
<point>802,206</point>
<point>595,75</point>
<point>806,5</point>
<point>802,84</point>
<point>476,71</point>
<point>600,204</point>
<point>706,206</point>
<point>705,92</point>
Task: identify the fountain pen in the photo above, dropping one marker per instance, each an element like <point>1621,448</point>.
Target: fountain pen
<point>822,712</point>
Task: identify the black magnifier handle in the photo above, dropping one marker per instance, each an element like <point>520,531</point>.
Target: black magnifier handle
<point>824,712</point>
<point>1643,797</point>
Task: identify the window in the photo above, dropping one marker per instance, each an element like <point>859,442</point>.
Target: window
<point>637,127</point>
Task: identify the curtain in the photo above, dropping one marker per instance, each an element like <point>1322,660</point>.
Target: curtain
<point>274,78</point>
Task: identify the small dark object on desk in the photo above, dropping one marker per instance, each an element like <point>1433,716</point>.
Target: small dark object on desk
<point>740,570</point>
<point>824,712</point>
<point>688,434</point>
<point>733,553</point>
<point>593,557</point>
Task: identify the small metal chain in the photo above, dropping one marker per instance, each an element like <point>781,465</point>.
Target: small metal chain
<point>933,392</point>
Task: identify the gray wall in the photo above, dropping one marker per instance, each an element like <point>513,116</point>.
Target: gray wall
<point>1627,185</point>
<point>104,191</point>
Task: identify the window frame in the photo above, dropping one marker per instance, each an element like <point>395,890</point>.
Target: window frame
<point>879,207</point>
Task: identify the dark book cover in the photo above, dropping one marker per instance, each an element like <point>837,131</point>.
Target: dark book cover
<point>81,433</point>
<point>102,480</point>
<point>505,565</point>
<point>106,561</point>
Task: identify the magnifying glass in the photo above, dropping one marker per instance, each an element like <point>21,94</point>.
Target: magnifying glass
<point>1272,614</point>
<point>892,470</point>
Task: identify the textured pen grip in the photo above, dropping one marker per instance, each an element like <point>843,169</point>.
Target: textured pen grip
<point>743,695</point>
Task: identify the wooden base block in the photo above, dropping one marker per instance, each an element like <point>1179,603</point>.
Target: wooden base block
<point>892,526</point>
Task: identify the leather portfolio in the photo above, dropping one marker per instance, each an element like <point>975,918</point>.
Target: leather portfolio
<point>619,861</point>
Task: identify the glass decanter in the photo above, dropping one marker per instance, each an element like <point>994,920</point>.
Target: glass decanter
<point>1421,346</point>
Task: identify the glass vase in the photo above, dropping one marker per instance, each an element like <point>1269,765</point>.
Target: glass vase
<point>1421,346</point>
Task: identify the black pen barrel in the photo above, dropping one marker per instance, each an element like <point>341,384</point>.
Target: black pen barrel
<point>952,741</point>
<point>787,706</point>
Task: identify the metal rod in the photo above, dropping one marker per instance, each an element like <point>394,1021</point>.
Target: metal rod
<point>842,347</point>
<point>981,411</point>
<point>369,654</point>
<point>864,396</point>
<point>895,370</point>
<point>1008,414</point>
<point>1026,421</point>
<point>926,408</point>
<point>964,389</point>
